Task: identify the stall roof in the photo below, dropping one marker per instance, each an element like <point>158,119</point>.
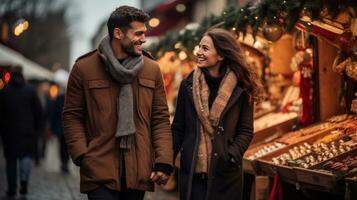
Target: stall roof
<point>31,70</point>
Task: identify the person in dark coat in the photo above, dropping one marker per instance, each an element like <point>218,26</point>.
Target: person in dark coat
<point>20,113</point>
<point>213,123</point>
<point>57,129</point>
<point>43,88</point>
<point>56,123</point>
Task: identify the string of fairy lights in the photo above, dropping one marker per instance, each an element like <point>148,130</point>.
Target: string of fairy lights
<point>265,15</point>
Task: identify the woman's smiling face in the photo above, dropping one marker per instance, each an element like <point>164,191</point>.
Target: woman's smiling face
<point>207,55</point>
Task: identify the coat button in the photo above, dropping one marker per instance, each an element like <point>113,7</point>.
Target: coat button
<point>218,133</point>
<point>233,160</point>
<point>215,154</point>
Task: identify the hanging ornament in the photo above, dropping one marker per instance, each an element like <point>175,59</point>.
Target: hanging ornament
<point>300,57</point>
<point>339,66</point>
<point>272,32</point>
<point>351,69</point>
<point>302,62</point>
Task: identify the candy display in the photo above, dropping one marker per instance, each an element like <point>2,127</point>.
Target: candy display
<point>341,166</point>
<point>266,150</point>
<point>327,146</point>
<point>306,155</point>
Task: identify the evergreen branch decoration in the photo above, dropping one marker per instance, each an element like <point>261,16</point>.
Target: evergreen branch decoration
<point>252,16</point>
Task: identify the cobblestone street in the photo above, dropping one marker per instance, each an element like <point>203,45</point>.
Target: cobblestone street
<point>48,183</point>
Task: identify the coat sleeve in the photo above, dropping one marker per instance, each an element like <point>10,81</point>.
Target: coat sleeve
<point>160,124</point>
<point>178,125</point>
<point>244,130</point>
<point>74,115</point>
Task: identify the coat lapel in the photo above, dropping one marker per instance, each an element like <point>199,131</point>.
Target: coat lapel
<point>234,97</point>
<point>189,86</point>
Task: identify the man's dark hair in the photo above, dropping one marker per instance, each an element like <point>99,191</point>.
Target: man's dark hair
<point>123,16</point>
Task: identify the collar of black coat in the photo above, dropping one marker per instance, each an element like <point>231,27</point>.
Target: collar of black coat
<point>214,82</point>
<point>238,90</point>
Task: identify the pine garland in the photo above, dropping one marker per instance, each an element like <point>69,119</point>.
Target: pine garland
<point>254,16</point>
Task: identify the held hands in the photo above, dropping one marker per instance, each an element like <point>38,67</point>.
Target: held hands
<point>159,177</point>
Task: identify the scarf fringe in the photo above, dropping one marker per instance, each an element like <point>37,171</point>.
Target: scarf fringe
<point>126,141</point>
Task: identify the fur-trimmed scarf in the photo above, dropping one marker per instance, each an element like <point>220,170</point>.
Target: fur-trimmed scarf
<point>209,118</point>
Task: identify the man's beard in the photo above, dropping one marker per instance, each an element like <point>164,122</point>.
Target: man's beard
<point>130,49</point>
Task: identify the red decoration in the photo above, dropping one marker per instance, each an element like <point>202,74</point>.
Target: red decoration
<point>306,93</point>
<point>7,77</point>
<point>277,190</point>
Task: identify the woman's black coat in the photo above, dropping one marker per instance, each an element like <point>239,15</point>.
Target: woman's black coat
<point>231,139</point>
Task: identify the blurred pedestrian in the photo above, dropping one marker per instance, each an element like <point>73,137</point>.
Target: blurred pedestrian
<point>20,118</point>
<point>213,123</point>
<point>60,78</point>
<point>116,120</point>
<point>43,88</point>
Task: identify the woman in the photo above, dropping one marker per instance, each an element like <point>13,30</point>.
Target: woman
<point>213,123</point>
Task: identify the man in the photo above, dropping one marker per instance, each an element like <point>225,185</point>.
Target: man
<point>116,120</point>
<point>20,120</point>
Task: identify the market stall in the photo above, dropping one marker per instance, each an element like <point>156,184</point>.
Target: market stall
<point>321,157</point>
<point>305,130</point>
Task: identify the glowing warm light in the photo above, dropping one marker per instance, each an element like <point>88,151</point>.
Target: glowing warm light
<point>7,77</point>
<point>2,84</point>
<point>180,7</point>
<point>154,22</point>
<point>177,45</point>
<point>258,45</point>
<point>26,24</point>
<point>182,55</point>
<point>234,29</point>
<point>19,29</point>
<point>195,50</point>
<point>21,26</point>
<point>53,91</point>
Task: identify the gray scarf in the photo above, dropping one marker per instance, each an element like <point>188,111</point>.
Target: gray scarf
<point>124,74</point>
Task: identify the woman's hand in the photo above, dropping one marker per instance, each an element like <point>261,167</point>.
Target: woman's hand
<point>159,177</point>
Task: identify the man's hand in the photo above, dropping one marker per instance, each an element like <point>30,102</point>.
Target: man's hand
<point>159,177</point>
